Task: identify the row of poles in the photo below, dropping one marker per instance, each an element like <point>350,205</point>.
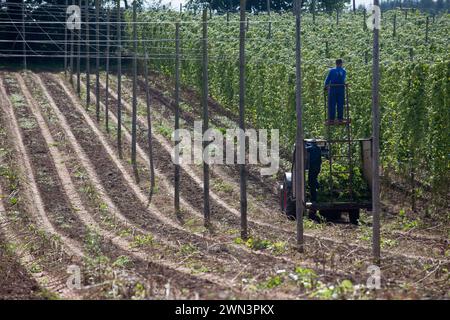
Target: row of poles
<point>299,192</point>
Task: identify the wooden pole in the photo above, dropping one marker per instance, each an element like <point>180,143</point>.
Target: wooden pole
<point>365,19</point>
<point>242,90</point>
<point>394,33</point>
<point>97,60</point>
<point>24,43</point>
<point>71,52</point>
<point>376,248</point>
<point>79,56</point>
<point>88,66</point>
<point>177,117</point>
<point>149,126</point>
<point>134,101</point>
<point>299,149</point>
<point>108,30</point>
<point>206,208</point>
<point>427,29</point>
<point>354,5</point>
<point>119,81</point>
<point>65,44</point>
<point>314,11</point>
<point>270,22</point>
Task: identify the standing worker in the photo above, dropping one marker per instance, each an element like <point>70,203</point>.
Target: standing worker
<point>314,167</point>
<point>335,85</point>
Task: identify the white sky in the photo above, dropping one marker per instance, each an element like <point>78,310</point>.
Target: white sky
<point>176,3</point>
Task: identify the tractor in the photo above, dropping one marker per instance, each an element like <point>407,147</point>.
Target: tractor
<point>345,175</point>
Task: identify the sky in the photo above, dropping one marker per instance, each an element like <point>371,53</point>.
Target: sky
<point>176,3</point>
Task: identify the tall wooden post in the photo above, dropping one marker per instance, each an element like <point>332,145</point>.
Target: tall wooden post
<point>270,22</point>
<point>149,126</point>
<point>365,19</point>
<point>299,149</point>
<point>71,52</point>
<point>119,81</point>
<point>79,56</point>
<point>376,144</point>
<point>394,32</point>
<point>65,43</point>
<point>134,101</point>
<point>108,31</point>
<point>314,11</point>
<point>88,67</point>
<point>242,90</point>
<point>24,43</point>
<point>206,208</point>
<point>97,60</point>
<point>177,117</point>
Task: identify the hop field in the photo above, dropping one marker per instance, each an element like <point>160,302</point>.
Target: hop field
<point>415,77</point>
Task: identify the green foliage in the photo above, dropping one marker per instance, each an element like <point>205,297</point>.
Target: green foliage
<point>415,113</point>
<point>340,188</point>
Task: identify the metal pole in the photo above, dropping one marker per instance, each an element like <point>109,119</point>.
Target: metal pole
<point>119,81</point>
<point>376,144</point>
<point>299,150</point>
<point>88,67</point>
<point>206,208</point>
<point>177,116</point>
<point>97,61</point>
<point>79,56</point>
<point>134,102</point>
<point>107,71</point>
<point>242,167</point>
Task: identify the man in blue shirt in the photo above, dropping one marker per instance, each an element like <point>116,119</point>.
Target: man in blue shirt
<point>335,84</point>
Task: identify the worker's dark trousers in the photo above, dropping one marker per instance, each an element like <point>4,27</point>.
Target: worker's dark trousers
<point>336,97</point>
<point>313,184</point>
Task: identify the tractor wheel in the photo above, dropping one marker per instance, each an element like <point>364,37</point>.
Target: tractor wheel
<point>354,216</point>
<point>287,205</point>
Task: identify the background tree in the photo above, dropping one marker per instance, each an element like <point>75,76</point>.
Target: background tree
<point>261,5</point>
